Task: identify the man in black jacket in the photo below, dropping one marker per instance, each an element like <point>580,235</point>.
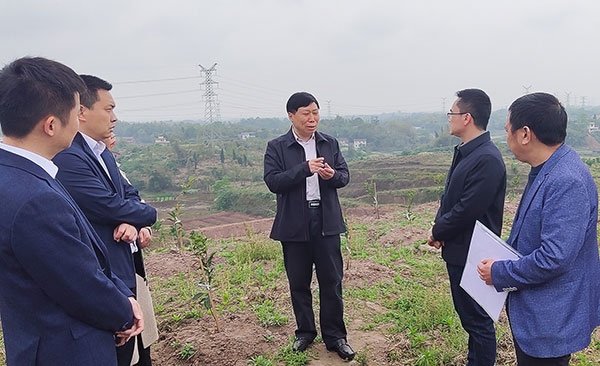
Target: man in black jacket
<point>305,168</point>
<point>475,188</point>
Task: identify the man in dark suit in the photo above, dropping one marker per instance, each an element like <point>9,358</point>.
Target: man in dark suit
<point>89,172</point>
<point>60,302</point>
<point>554,291</point>
<point>305,168</point>
<point>475,189</point>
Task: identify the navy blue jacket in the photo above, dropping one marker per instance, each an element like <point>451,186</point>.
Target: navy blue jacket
<point>554,307</point>
<point>59,300</point>
<point>106,202</point>
<point>475,189</point>
<point>286,170</point>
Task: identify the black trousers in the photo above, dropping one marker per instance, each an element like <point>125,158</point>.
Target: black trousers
<point>125,352</point>
<point>524,359</point>
<point>299,257</point>
<point>474,320</point>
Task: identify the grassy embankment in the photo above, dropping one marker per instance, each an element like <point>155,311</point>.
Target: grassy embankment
<point>402,302</point>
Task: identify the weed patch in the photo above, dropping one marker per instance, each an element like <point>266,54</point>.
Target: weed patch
<point>268,314</point>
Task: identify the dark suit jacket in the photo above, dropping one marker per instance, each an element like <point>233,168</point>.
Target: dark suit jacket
<point>286,170</point>
<point>554,307</point>
<point>475,189</point>
<point>105,202</point>
<point>59,300</point>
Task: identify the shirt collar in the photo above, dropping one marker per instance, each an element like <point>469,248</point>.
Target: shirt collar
<point>97,147</point>
<point>44,163</point>
<point>469,146</point>
<point>312,137</point>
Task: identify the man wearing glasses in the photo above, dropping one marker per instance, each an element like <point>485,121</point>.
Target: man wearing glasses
<point>475,188</point>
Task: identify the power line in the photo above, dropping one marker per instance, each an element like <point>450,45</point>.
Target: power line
<point>155,80</point>
<point>159,94</point>
<point>278,91</point>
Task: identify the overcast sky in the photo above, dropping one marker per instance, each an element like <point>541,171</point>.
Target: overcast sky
<point>366,57</point>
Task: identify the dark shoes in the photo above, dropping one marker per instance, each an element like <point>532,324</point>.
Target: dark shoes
<point>343,349</point>
<point>300,344</point>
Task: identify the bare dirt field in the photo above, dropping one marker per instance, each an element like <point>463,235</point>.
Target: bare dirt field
<point>243,337</point>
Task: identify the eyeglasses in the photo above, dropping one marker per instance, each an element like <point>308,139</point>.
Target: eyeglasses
<point>455,113</point>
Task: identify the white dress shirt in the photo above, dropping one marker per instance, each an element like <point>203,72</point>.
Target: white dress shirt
<point>43,163</point>
<point>98,148</point>
<point>310,152</point>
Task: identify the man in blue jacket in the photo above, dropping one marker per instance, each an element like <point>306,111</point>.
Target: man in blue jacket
<point>305,168</point>
<point>475,188</point>
<point>60,302</point>
<point>89,172</point>
<point>554,289</point>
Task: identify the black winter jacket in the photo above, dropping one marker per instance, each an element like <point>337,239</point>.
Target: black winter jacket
<point>286,170</point>
<point>475,189</point>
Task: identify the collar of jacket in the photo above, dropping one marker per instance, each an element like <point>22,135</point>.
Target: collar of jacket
<point>19,162</point>
<point>291,139</point>
<point>535,185</point>
<point>470,146</point>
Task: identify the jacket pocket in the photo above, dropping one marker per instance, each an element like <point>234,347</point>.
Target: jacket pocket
<point>79,329</point>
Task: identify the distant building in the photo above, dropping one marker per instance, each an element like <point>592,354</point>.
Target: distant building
<point>247,135</point>
<point>129,139</point>
<point>344,142</point>
<point>593,127</point>
<point>161,140</point>
<point>358,143</point>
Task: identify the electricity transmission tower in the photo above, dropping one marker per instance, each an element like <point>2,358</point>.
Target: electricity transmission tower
<point>211,99</point>
<point>526,89</point>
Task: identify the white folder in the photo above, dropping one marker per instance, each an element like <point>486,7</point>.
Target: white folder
<point>485,245</point>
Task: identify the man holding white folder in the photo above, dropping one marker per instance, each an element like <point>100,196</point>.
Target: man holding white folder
<point>475,188</point>
<point>554,289</point>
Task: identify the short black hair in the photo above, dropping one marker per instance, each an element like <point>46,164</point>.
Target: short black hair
<point>543,114</point>
<point>299,100</point>
<point>32,88</point>
<point>93,84</point>
<point>477,103</point>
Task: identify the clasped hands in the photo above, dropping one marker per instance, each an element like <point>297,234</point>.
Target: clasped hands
<point>128,233</point>
<point>437,244</point>
<point>136,328</point>
<point>484,269</point>
<point>320,167</point>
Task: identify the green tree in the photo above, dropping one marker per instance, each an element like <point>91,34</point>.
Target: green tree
<point>159,181</point>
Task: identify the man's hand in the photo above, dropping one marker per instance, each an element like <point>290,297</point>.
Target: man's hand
<point>315,164</point>
<point>485,270</point>
<point>144,237</point>
<point>437,244</point>
<point>326,172</point>
<point>125,232</point>
<point>136,328</point>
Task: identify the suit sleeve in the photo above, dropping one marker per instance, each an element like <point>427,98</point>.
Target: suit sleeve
<point>130,192</point>
<point>97,202</point>
<point>277,178</point>
<point>342,175</point>
<point>47,242</point>
<point>479,192</point>
<point>564,222</point>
